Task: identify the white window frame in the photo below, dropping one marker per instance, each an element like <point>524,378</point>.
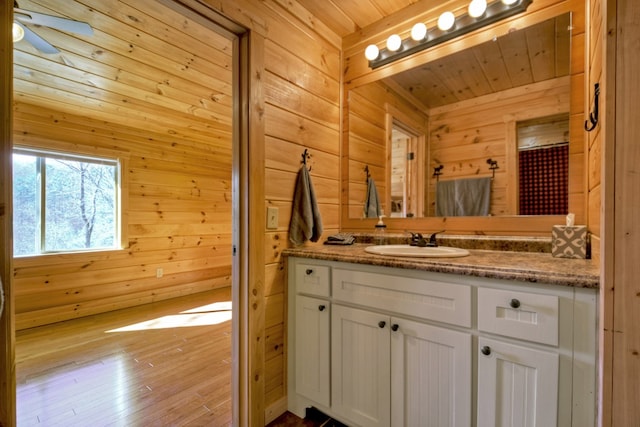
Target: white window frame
<point>99,156</point>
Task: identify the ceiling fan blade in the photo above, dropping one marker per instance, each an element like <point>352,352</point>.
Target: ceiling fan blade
<point>64,24</point>
<point>38,42</point>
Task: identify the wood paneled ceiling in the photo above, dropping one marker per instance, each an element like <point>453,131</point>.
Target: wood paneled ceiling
<point>145,66</point>
<point>348,16</point>
<point>531,55</point>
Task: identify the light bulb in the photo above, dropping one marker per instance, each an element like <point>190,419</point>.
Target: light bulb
<point>18,32</point>
<point>509,2</point>
<point>446,21</point>
<point>419,32</point>
<point>371,52</point>
<point>477,8</point>
<point>394,42</point>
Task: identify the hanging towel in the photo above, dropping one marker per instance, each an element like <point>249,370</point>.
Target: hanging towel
<point>464,197</point>
<point>306,223</point>
<point>372,201</point>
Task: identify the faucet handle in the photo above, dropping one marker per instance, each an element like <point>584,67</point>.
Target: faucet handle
<point>432,238</point>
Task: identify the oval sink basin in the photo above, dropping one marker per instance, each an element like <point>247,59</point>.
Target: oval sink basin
<point>416,251</point>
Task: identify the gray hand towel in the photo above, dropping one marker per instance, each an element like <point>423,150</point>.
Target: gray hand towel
<point>306,223</point>
<point>372,201</point>
<point>464,197</point>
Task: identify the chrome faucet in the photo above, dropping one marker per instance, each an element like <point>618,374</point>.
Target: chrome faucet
<point>418,240</point>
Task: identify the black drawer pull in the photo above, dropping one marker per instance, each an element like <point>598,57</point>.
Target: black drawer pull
<point>309,272</point>
<point>382,324</point>
<point>394,327</point>
<point>514,303</point>
<point>486,350</point>
<point>322,307</point>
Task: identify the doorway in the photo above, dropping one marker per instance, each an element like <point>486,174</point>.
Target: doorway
<point>189,160</point>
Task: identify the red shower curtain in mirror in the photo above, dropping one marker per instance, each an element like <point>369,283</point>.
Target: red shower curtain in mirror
<point>544,181</point>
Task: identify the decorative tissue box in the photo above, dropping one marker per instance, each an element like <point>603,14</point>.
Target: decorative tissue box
<point>569,241</point>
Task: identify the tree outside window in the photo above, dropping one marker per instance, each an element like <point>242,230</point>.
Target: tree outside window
<point>64,203</point>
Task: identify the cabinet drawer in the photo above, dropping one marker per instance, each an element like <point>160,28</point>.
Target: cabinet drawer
<point>312,279</point>
<point>522,315</point>
<point>427,299</point>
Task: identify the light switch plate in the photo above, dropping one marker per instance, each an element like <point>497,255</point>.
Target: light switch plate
<point>272,217</point>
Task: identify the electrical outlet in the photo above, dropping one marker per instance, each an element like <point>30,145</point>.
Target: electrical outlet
<point>159,272</point>
<point>272,217</point>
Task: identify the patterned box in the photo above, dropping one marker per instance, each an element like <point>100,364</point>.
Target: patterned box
<point>569,241</point>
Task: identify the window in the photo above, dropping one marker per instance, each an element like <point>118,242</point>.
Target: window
<point>64,202</point>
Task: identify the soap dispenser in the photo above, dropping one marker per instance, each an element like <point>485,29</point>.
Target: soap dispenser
<point>379,235</point>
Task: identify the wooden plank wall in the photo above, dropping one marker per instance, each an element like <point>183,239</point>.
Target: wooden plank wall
<point>172,127</point>
<point>300,109</point>
<point>464,135</point>
<point>600,68</point>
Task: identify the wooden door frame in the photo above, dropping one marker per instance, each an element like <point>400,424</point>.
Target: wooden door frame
<point>248,266</point>
<point>7,325</point>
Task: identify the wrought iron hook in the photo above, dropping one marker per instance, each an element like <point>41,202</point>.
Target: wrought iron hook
<point>593,117</point>
<point>306,156</point>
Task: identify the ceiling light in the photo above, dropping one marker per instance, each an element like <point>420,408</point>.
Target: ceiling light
<point>371,52</point>
<point>419,32</point>
<point>446,21</point>
<point>477,8</point>
<point>18,33</point>
<point>480,13</point>
<point>394,42</point>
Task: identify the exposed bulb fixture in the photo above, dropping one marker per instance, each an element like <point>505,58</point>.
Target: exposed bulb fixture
<point>371,52</point>
<point>479,13</point>
<point>419,32</point>
<point>446,21</point>
<point>17,32</point>
<point>394,42</point>
<point>477,8</point>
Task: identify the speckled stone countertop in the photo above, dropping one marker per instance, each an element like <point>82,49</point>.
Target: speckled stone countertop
<point>536,267</point>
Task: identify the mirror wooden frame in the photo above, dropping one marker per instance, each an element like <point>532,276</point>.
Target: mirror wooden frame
<point>357,73</point>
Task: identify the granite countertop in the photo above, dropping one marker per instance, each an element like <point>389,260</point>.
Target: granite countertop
<point>533,267</point>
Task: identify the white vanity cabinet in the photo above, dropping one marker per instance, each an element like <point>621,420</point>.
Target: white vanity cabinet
<point>396,347</point>
<point>310,342</point>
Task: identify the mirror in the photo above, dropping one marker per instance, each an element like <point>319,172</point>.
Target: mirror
<point>459,118</point>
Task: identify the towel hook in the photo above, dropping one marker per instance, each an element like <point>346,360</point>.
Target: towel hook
<point>493,165</point>
<point>437,171</point>
<point>306,156</point>
<point>591,124</point>
<point>366,170</point>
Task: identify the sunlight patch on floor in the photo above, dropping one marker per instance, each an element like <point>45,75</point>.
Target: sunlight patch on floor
<point>210,314</point>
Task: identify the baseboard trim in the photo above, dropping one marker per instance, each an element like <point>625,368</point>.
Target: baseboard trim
<point>274,410</point>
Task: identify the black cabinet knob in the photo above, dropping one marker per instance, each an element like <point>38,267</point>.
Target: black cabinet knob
<point>486,350</point>
<point>394,327</point>
<point>309,271</point>
<point>322,307</point>
<point>382,324</point>
<point>514,303</point>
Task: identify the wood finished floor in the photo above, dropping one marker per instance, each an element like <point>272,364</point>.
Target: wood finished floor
<point>174,370</point>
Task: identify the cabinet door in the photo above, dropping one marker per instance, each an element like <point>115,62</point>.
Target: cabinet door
<point>430,375</point>
<point>517,386</point>
<point>360,366</point>
<point>312,349</point>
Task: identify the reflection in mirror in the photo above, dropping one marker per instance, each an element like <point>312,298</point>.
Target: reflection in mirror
<point>406,195</point>
<point>470,105</point>
<point>543,166</point>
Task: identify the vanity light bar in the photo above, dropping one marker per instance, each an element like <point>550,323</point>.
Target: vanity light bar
<point>463,24</point>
